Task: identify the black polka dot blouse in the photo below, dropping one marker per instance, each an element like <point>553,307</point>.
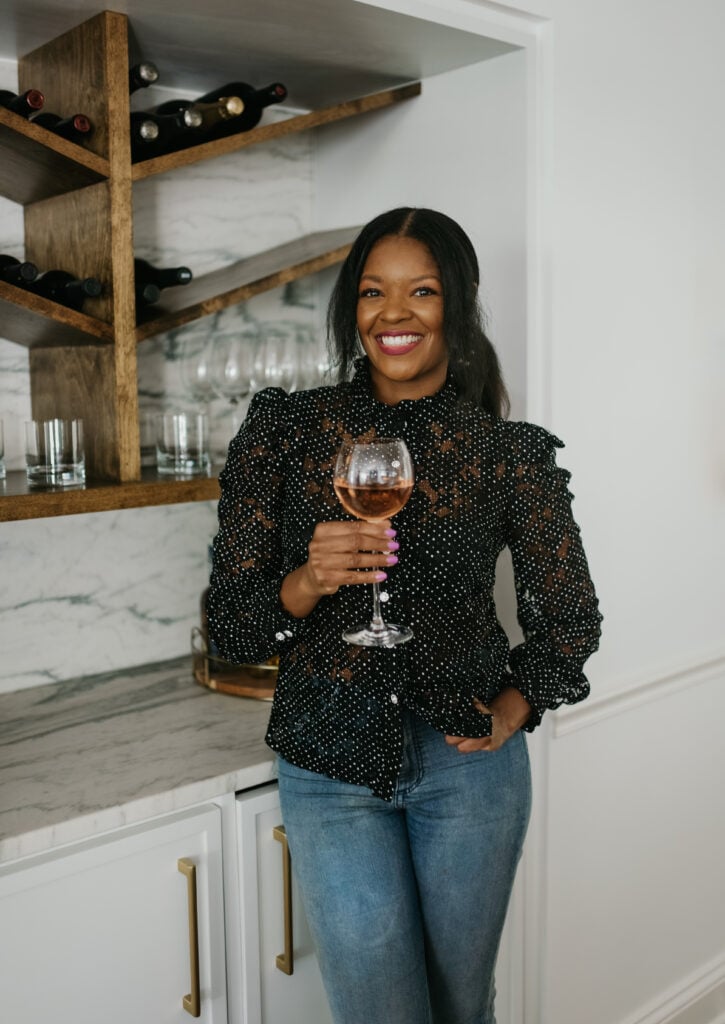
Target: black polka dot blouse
<point>480,484</point>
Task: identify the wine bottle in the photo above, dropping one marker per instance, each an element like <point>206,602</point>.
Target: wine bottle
<point>141,75</point>
<point>144,133</point>
<point>153,134</point>
<point>161,277</point>
<point>76,128</point>
<point>25,104</point>
<point>218,111</point>
<point>64,288</point>
<point>255,100</point>
<point>147,293</point>
<point>17,272</point>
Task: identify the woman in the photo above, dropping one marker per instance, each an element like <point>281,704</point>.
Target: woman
<point>403,772</point>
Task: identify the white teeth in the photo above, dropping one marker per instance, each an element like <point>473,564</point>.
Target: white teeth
<point>394,340</point>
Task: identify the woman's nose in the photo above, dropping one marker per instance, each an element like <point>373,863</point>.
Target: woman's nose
<point>395,307</point>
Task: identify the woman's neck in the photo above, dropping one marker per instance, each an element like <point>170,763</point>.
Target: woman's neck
<point>390,392</point>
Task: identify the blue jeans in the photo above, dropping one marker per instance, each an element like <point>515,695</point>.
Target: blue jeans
<point>406,900</point>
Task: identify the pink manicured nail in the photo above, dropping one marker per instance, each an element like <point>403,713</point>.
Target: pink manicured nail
<point>391,533</point>
<point>393,545</point>
<point>391,560</point>
<point>380,576</point>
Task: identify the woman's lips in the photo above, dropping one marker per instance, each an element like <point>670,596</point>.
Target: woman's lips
<point>397,344</point>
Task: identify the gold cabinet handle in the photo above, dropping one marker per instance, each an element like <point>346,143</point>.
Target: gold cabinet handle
<point>192,1001</point>
<point>286,961</point>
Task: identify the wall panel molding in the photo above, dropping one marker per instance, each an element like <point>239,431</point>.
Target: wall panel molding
<point>649,688</point>
<point>698,998</point>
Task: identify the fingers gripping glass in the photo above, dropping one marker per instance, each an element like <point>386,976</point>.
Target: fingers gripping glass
<point>373,480</point>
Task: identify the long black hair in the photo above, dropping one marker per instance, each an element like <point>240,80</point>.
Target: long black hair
<point>472,359</point>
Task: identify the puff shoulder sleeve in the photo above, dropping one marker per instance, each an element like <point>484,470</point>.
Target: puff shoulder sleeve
<point>247,621</point>
<point>558,609</point>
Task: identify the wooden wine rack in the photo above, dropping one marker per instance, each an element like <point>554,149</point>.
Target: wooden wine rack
<point>78,215</point>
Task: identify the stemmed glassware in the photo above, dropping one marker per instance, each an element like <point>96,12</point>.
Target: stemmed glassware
<point>277,358</point>
<point>233,370</point>
<point>373,480</point>
<point>196,370</point>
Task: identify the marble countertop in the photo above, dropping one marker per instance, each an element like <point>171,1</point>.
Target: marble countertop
<point>85,756</point>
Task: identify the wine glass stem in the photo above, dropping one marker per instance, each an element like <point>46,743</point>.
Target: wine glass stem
<point>377,625</point>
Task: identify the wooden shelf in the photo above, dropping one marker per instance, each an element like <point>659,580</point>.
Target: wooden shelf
<point>276,130</point>
<point>34,321</point>
<point>78,215</point>
<point>240,281</point>
<point>19,501</point>
<point>36,164</point>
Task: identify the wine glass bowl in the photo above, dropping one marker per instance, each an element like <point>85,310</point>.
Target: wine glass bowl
<point>373,480</point>
<point>233,365</point>
<point>277,362</point>
<point>196,370</point>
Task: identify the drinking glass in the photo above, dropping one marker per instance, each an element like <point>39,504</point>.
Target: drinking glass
<point>232,370</point>
<point>182,444</point>
<point>373,480</point>
<point>196,370</point>
<point>2,452</point>
<point>278,357</point>
<point>314,361</point>
<point>54,454</point>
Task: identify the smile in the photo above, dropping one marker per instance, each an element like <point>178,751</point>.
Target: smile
<point>398,344</point>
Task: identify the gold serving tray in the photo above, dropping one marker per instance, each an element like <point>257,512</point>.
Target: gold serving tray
<point>255,681</point>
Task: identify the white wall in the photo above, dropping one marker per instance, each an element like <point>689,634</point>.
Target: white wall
<point>636,817</point>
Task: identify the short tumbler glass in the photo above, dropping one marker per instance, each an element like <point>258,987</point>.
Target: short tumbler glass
<point>54,454</point>
<point>182,444</point>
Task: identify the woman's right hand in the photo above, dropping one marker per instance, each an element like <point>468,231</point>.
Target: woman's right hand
<point>339,554</point>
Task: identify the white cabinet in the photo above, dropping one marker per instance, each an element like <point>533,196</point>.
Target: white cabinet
<point>103,930</point>
<point>271,995</point>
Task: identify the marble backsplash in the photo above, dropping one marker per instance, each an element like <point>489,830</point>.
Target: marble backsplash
<point>89,593</point>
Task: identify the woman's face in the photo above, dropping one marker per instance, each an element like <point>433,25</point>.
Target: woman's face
<point>400,320</point>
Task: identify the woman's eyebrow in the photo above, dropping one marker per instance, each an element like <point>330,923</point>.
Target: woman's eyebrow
<point>423,277</point>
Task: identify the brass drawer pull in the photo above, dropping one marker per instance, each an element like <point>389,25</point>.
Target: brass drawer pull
<point>192,1001</point>
<point>286,961</point>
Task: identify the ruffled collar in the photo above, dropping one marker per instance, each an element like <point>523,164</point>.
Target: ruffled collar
<point>434,404</point>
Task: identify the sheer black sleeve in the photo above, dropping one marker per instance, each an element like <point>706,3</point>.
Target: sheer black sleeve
<point>247,620</point>
<point>557,607</point>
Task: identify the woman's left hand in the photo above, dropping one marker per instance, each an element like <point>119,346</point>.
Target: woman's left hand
<point>509,711</point>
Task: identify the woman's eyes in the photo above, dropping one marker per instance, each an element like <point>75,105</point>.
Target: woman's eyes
<point>375,293</point>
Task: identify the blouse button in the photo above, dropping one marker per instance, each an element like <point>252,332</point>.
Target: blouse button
<point>279,636</point>
<point>393,698</point>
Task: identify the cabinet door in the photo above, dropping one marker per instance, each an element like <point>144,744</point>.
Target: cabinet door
<point>272,996</point>
<point>100,931</point>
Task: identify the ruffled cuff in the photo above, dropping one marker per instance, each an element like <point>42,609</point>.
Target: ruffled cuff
<point>545,693</point>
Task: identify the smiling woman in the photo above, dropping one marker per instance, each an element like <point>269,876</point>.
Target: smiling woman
<point>428,242</point>
<point>400,320</point>
<point>403,770</point>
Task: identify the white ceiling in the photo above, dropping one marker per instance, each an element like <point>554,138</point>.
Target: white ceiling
<point>323,50</point>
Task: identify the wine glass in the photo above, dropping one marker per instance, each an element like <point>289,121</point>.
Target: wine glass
<point>233,369</point>
<point>277,361</point>
<point>373,480</point>
<point>196,369</point>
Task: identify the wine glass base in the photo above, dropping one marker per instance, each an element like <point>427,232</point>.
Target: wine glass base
<point>368,636</point>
